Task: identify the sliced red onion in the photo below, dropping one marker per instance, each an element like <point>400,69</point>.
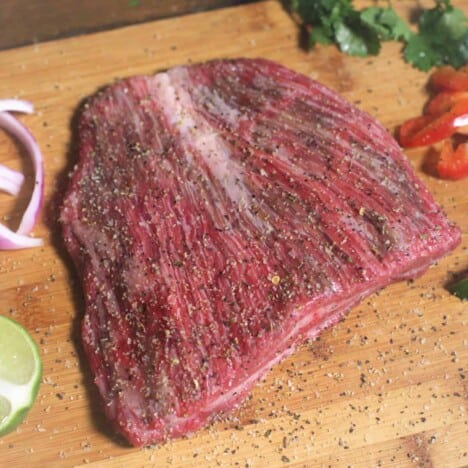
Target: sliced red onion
<point>16,128</point>
<point>10,180</point>
<point>16,105</point>
<point>8,238</point>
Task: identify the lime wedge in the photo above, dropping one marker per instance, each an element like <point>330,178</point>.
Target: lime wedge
<point>20,373</point>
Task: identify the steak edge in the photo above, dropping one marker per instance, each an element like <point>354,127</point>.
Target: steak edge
<point>219,215</point>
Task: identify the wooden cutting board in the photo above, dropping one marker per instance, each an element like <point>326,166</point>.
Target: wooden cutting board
<point>387,386</point>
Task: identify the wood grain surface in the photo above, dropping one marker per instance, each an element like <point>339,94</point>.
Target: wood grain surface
<point>385,387</point>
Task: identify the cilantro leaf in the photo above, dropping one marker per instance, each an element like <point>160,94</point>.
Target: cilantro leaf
<point>321,12</point>
<point>355,38</point>
<point>460,288</point>
<point>443,19</point>
<point>442,38</point>
<point>320,35</point>
<point>386,23</point>
<point>419,53</point>
<point>323,16</point>
<point>336,21</point>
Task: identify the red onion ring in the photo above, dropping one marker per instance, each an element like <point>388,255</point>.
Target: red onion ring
<point>10,180</point>
<point>8,238</point>
<point>16,105</point>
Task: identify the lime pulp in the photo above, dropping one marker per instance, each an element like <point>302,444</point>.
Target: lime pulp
<point>20,374</point>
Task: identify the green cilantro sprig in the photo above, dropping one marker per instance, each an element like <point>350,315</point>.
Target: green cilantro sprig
<point>442,36</point>
<point>460,288</point>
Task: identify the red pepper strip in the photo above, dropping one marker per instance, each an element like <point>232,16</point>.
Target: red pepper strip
<point>447,78</point>
<point>443,101</point>
<point>411,127</point>
<point>453,164</point>
<point>429,129</point>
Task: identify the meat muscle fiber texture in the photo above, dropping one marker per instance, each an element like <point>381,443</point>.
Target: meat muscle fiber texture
<point>220,214</point>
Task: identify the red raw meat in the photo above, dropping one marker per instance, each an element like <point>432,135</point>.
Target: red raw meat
<point>219,215</point>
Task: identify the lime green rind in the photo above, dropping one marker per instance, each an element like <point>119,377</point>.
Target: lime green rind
<point>23,396</point>
<point>18,352</point>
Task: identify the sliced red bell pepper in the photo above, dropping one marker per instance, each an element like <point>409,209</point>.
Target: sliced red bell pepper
<point>443,101</point>
<point>453,164</point>
<point>411,127</point>
<point>447,78</point>
<point>445,119</point>
<point>428,129</point>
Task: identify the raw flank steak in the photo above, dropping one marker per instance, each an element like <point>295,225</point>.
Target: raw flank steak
<point>219,215</point>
